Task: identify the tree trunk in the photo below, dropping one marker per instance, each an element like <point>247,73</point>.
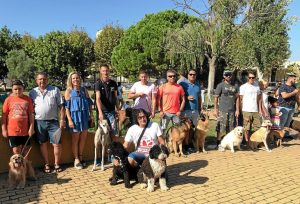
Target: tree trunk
<point>211,77</point>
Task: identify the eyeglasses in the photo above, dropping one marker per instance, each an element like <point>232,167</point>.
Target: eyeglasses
<point>192,74</point>
<point>251,77</point>
<point>172,76</point>
<point>141,117</point>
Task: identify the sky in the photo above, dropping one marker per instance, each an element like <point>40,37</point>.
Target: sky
<point>38,17</point>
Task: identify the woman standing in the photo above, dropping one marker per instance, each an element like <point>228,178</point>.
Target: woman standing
<point>79,113</point>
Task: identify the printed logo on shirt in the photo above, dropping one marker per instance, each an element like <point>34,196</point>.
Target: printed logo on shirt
<point>19,110</point>
<point>145,145</point>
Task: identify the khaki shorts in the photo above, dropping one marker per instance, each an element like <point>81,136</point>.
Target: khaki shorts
<point>251,121</point>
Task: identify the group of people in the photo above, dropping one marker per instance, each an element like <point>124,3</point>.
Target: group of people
<point>45,110</point>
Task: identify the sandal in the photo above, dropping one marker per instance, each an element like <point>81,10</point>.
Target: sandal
<point>57,169</point>
<point>47,169</point>
<point>83,163</point>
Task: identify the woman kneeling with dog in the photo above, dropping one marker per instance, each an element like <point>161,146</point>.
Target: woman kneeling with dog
<point>145,134</point>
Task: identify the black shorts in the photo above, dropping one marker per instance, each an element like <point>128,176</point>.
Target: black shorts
<point>15,141</point>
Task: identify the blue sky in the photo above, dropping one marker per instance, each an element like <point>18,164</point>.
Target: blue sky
<point>38,17</point>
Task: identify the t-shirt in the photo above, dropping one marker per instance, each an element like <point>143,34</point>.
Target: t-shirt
<point>18,110</point>
<point>149,139</point>
<point>46,105</point>
<point>227,96</point>
<point>107,94</point>
<point>191,90</point>
<point>171,96</point>
<point>249,93</point>
<point>286,102</point>
<point>144,102</point>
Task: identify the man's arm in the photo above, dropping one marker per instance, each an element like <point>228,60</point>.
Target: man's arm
<point>182,103</point>
<point>99,105</point>
<point>161,140</point>
<point>216,105</point>
<point>4,124</point>
<point>153,99</point>
<point>237,105</point>
<point>288,95</point>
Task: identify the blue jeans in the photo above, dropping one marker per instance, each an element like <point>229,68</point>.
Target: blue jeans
<point>286,117</point>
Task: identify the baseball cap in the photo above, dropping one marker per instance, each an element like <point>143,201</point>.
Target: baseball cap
<point>227,72</point>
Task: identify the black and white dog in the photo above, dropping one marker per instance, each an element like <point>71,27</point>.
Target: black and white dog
<point>124,170</point>
<point>154,167</point>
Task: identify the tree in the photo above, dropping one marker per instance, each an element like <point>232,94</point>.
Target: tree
<point>8,42</point>
<point>20,66</point>
<point>142,46</point>
<point>108,38</point>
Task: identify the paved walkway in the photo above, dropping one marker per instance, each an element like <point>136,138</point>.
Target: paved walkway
<point>216,177</point>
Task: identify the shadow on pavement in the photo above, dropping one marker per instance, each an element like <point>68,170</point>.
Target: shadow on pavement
<point>180,174</point>
<point>32,189</point>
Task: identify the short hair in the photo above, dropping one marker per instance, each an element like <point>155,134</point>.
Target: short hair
<point>17,82</point>
<point>194,70</point>
<point>41,73</point>
<point>171,71</point>
<point>143,72</point>
<point>69,80</point>
<point>104,65</point>
<point>252,72</point>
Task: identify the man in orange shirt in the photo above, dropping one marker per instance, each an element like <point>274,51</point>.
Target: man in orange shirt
<point>171,100</point>
<point>17,118</point>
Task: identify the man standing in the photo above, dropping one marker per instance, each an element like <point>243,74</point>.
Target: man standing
<point>250,98</point>
<point>170,100</point>
<point>107,99</point>
<point>287,100</point>
<point>144,94</point>
<point>47,102</point>
<point>226,105</point>
<point>193,104</point>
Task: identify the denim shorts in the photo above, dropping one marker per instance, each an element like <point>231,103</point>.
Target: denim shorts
<point>45,130</point>
<point>138,157</point>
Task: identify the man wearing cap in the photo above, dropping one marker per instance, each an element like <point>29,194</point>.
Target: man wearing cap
<point>226,105</point>
<point>48,103</point>
<point>287,100</point>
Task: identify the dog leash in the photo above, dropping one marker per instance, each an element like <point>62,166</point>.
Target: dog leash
<point>25,146</point>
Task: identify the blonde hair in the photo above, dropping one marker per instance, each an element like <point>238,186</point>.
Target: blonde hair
<point>263,83</point>
<point>69,80</point>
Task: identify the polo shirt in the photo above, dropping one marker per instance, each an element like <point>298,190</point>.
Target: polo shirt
<point>46,105</point>
<point>107,94</point>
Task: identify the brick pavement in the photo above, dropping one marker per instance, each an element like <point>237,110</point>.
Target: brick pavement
<point>216,177</point>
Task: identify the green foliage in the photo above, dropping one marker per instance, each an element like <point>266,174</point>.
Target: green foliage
<point>57,53</point>
<point>142,46</point>
<point>8,42</point>
<point>106,41</point>
<point>20,66</point>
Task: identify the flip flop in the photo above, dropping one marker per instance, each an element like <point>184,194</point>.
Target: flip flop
<point>57,169</point>
<point>47,169</point>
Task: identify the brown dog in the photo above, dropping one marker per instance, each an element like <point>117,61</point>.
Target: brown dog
<point>261,136</point>
<point>177,134</point>
<point>201,132</point>
<point>277,135</point>
<point>19,169</point>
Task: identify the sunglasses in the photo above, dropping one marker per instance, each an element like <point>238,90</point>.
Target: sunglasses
<point>172,76</point>
<point>227,75</point>
<point>141,117</point>
<point>192,74</point>
<point>251,77</point>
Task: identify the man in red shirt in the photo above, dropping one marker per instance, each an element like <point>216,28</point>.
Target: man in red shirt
<point>171,100</point>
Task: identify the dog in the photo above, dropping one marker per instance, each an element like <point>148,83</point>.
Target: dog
<point>277,135</point>
<point>261,136</point>
<point>19,169</point>
<point>101,137</point>
<point>233,138</point>
<point>154,167</point>
<point>124,170</point>
<point>177,134</point>
<point>201,132</point>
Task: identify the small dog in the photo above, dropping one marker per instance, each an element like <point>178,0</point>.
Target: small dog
<point>233,138</point>
<point>154,167</point>
<point>19,169</point>
<point>261,136</point>
<point>101,137</point>
<point>277,135</point>
<point>201,132</point>
<point>177,134</point>
<point>124,170</point>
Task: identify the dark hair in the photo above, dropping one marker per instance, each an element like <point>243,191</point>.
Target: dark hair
<point>138,111</point>
<point>194,70</point>
<point>143,72</point>
<point>104,65</point>
<point>17,82</point>
<point>41,73</point>
<point>252,72</point>
<point>272,99</point>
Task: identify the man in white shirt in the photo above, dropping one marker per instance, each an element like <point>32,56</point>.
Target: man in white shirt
<point>48,103</point>
<point>144,94</point>
<point>250,97</point>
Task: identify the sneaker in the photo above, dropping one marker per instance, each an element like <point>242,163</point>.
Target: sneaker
<point>98,162</point>
<point>78,165</point>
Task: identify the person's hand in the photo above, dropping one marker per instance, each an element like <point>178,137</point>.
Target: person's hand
<point>190,98</point>
<point>161,114</point>
<point>30,131</point>
<point>101,117</point>
<point>4,133</point>
<point>178,113</point>
<point>115,162</point>
<point>140,94</point>
<point>62,124</point>
<point>71,124</point>
<point>237,113</point>
<point>152,115</point>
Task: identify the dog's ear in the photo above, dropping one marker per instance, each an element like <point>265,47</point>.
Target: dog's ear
<point>154,152</point>
<point>165,149</point>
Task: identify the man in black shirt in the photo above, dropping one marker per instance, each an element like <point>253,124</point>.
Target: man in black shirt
<point>106,99</point>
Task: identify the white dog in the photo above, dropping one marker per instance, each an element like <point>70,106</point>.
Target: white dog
<point>233,138</point>
<point>101,137</point>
